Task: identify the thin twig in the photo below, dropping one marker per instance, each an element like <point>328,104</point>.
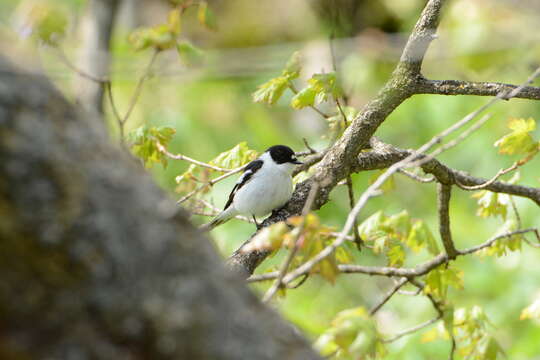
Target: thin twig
<point>67,62</point>
<point>210,183</point>
<point>516,212</point>
<point>409,273</point>
<point>490,181</point>
<point>138,88</point>
<point>162,149</point>
<point>285,265</point>
<point>412,329</point>
<point>216,211</point>
<point>416,177</point>
<point>388,296</point>
<point>311,150</point>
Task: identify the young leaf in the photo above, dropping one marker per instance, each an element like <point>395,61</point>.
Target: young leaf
<point>173,20</point>
<point>239,155</point>
<point>189,54</point>
<point>519,141</point>
<point>144,141</point>
<point>421,236</point>
<point>270,92</point>
<point>43,20</point>
<point>305,97</point>
<point>159,37</point>
<point>492,204</point>
<point>206,16</point>
<point>438,280</point>
<point>532,311</point>
<point>293,66</point>
<point>501,246</point>
<point>396,256</point>
<point>320,88</point>
<point>369,228</point>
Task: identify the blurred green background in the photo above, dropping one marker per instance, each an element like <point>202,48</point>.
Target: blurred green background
<point>211,108</point>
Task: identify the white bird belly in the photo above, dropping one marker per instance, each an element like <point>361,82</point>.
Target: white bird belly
<point>259,197</point>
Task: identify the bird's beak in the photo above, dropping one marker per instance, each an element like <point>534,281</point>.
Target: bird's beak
<point>295,161</point>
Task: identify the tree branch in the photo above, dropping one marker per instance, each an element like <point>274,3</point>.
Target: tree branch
<point>345,156</point>
<point>444,191</point>
<point>408,273</point>
<point>458,87</point>
<point>97,28</point>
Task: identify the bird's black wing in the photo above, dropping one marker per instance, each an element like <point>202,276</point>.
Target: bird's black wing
<point>249,171</point>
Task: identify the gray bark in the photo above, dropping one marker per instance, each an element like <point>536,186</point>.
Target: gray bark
<point>95,57</point>
<point>96,262</point>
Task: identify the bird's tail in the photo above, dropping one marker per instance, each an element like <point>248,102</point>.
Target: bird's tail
<point>223,217</point>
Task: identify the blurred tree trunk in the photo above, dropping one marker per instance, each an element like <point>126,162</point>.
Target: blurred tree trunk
<point>97,27</point>
<point>96,262</point>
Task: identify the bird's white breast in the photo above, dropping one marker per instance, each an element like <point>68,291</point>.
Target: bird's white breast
<point>269,189</point>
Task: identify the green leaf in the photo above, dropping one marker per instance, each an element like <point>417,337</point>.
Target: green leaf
<point>305,97</point>
<point>320,87</point>
<point>239,155</point>
<point>421,236</point>
<point>369,228</point>
<point>206,16</point>
<point>501,246</point>
<point>398,225</point>
<point>43,20</point>
<point>173,21</point>
<point>270,92</point>
<point>439,279</point>
<point>159,37</point>
<point>492,204</point>
<point>144,141</point>
<point>355,334</point>
<point>293,66</point>
<point>532,311</point>
<point>519,141</point>
<point>189,54</point>
<point>396,256</point>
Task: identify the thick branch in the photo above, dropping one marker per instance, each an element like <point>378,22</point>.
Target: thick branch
<point>444,192</point>
<point>384,155</point>
<point>409,273</point>
<point>97,27</point>
<point>345,156</point>
<point>458,87</point>
<point>422,35</point>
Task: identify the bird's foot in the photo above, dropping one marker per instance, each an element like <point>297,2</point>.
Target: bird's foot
<point>256,223</point>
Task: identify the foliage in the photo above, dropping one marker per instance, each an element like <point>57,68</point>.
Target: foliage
<point>144,143</point>
<point>519,141</point>
<point>472,331</point>
<point>397,239</point>
<point>532,311</point>
<point>320,88</point>
<point>353,334</point>
<point>43,20</point>
<point>391,235</point>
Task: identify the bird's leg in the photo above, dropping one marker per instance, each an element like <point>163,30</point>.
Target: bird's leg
<point>256,223</point>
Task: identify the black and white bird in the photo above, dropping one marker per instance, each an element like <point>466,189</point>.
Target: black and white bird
<point>265,185</point>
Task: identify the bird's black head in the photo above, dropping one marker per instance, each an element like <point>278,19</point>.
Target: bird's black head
<point>282,154</point>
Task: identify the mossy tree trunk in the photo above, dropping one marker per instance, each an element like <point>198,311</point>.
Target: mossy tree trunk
<point>96,262</point>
